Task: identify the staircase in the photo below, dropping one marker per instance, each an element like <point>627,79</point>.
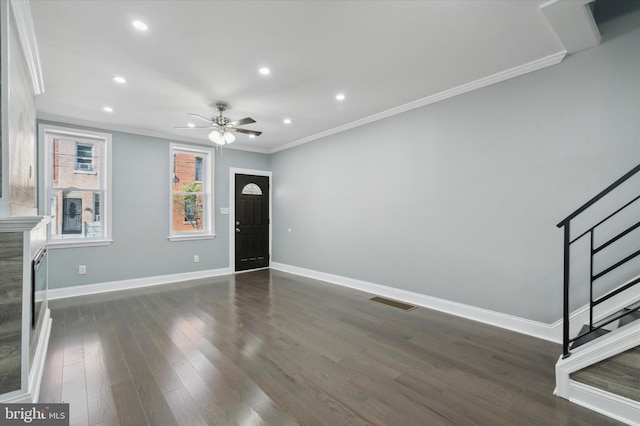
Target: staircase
<point>600,364</point>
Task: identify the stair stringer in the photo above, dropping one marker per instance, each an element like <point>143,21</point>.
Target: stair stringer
<point>614,406</point>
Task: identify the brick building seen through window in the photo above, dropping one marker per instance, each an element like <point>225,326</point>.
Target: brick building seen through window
<point>188,196</point>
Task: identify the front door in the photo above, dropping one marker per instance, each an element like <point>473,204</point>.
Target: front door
<point>252,222</point>
<point>72,216</point>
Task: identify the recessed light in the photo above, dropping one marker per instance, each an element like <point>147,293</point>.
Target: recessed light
<point>340,96</point>
<point>190,125</point>
<point>107,109</point>
<point>119,79</point>
<point>139,25</point>
<point>264,71</point>
<point>287,121</point>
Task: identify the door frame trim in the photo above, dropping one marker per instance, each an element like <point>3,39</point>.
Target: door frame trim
<point>233,171</point>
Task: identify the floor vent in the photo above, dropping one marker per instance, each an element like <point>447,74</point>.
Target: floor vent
<point>394,303</point>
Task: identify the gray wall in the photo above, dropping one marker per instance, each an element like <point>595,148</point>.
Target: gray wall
<point>459,199</point>
<point>140,224</point>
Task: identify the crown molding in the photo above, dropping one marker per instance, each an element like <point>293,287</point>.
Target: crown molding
<point>532,66</point>
<point>24,26</point>
<point>468,87</point>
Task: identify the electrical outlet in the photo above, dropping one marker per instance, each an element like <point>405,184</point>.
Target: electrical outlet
<point>196,259</point>
<point>82,269</point>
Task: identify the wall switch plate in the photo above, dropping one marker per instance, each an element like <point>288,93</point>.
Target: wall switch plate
<point>224,210</point>
<point>82,269</point>
<point>196,259</point>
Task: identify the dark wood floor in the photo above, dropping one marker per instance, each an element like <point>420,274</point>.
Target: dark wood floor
<point>271,348</point>
<point>618,374</point>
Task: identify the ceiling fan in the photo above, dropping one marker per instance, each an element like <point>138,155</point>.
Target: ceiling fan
<point>223,126</point>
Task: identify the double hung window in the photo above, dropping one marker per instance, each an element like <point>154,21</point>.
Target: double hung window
<point>191,192</point>
<point>77,177</point>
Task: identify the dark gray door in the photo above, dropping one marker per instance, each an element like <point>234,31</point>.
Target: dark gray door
<point>72,216</point>
<point>252,222</point>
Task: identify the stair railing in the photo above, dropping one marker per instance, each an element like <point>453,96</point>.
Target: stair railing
<point>566,223</point>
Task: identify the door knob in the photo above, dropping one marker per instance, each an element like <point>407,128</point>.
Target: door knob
<point>237,229</point>
<point>237,222</point>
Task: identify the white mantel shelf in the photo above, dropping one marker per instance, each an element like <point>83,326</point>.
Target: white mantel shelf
<point>22,223</point>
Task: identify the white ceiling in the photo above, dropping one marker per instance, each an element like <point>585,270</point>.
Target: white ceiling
<point>385,56</point>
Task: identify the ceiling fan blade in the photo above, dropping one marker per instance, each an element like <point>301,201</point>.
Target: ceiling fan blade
<point>247,120</point>
<point>248,132</point>
<point>199,116</point>
<point>193,127</point>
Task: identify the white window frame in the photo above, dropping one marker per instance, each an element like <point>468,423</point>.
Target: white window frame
<point>208,160</point>
<point>46,132</point>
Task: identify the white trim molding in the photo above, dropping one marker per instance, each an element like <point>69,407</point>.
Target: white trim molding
<point>509,322</point>
<point>615,406</point>
<point>36,371</point>
<point>611,344</point>
<point>46,134</point>
<point>233,171</point>
<point>37,368</point>
<point>22,223</point>
<point>551,332</point>
<point>24,26</point>
<point>611,405</point>
<point>532,66</point>
<point>106,287</point>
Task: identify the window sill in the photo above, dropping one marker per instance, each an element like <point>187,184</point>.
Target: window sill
<point>191,237</point>
<point>57,244</point>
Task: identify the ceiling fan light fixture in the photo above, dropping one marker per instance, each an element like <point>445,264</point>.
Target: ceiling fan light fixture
<point>217,137</point>
<point>221,137</point>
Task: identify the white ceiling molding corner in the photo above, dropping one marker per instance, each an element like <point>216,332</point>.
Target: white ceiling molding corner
<point>536,65</point>
<point>24,26</point>
<point>573,23</point>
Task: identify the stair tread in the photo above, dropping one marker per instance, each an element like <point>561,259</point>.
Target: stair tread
<point>630,317</point>
<point>587,336</point>
<point>619,374</point>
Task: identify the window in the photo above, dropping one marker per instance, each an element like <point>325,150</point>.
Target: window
<point>251,189</point>
<point>76,184</point>
<point>198,168</point>
<point>84,158</point>
<point>191,193</point>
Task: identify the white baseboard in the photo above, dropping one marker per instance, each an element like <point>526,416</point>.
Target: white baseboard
<point>83,290</point>
<point>509,322</point>
<point>611,344</point>
<point>619,408</point>
<point>37,369</point>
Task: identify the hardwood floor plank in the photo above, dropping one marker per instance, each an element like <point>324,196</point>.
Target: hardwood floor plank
<point>272,348</point>
<point>51,385</point>
<point>128,405</point>
<point>183,408</point>
<point>74,392</point>
<point>99,398</point>
<point>154,404</point>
